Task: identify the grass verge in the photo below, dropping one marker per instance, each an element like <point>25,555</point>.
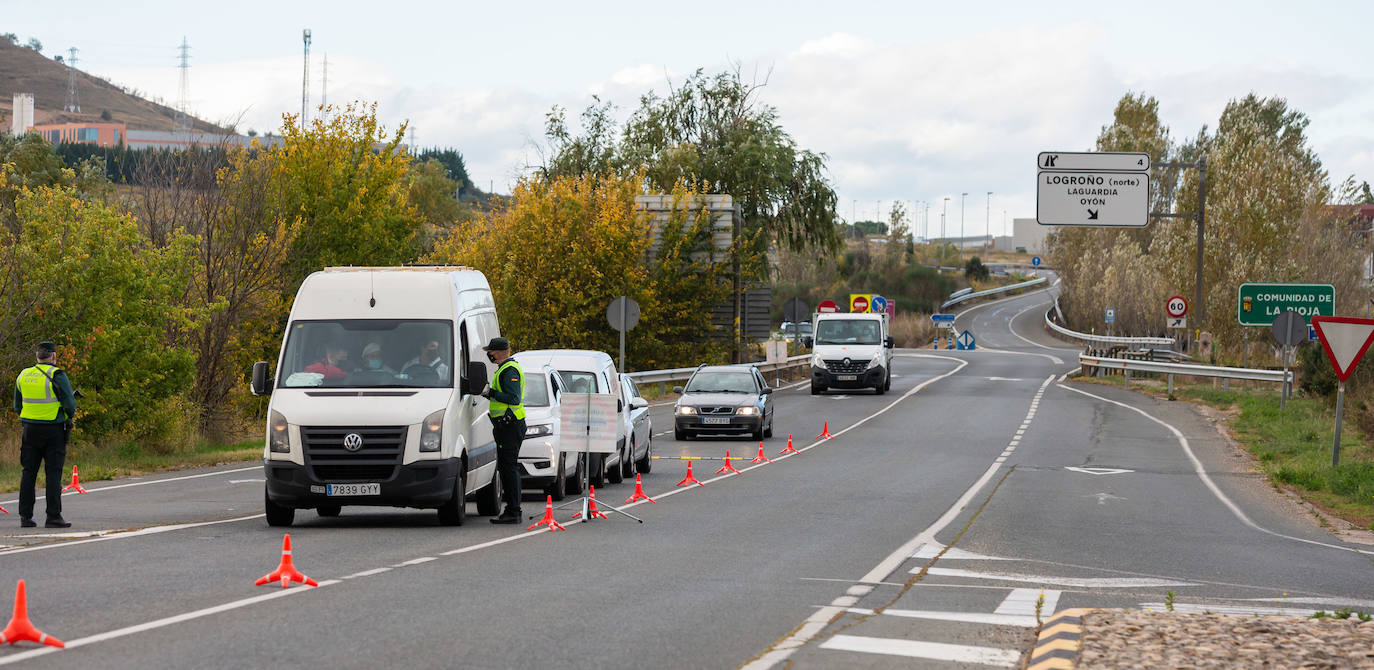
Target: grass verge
<point>1292,446</point>
<point>131,459</point>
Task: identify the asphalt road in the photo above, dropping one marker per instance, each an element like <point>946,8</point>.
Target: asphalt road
<point>979,483</point>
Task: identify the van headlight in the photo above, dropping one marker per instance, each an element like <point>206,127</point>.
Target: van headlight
<point>874,362</point>
<point>539,430</point>
<point>278,433</point>
<point>747,411</point>
<point>817,362</point>
<point>432,432</point>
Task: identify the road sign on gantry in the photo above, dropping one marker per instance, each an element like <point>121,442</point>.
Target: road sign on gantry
<point>1093,189</point>
<point>1345,339</point>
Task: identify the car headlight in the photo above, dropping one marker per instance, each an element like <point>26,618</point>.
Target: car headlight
<point>432,432</point>
<point>874,362</point>
<point>816,361</point>
<point>539,430</point>
<point>747,411</point>
<point>278,433</point>
<point>686,409</point>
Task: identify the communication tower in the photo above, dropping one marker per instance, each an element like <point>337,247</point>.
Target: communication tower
<point>183,120</point>
<point>305,77</point>
<point>73,101</point>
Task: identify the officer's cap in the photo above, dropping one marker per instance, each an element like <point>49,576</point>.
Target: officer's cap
<point>497,344</point>
<point>45,349</point>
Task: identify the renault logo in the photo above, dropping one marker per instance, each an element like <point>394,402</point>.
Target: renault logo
<point>848,362</point>
<point>353,442</point>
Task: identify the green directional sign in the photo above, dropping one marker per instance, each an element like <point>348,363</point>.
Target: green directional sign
<point>1259,304</point>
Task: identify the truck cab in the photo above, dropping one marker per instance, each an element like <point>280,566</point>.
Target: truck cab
<point>851,351</point>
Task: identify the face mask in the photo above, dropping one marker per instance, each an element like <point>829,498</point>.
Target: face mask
<point>375,363</point>
<point>491,357</point>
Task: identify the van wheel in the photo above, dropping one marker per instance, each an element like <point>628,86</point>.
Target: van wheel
<point>329,511</point>
<point>277,515</point>
<point>558,488</point>
<point>489,498</point>
<point>816,390</point>
<point>598,470</point>
<point>455,511</point>
<point>887,385</point>
<point>880,388</point>
<point>627,466</point>
<point>647,462</point>
<point>578,483</point>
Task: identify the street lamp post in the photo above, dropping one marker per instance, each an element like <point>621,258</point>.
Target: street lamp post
<point>943,214</point>
<point>987,223</point>
<point>962,197</point>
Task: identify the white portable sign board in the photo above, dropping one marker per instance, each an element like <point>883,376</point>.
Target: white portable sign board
<point>1345,339</point>
<point>1093,189</point>
<point>588,422</point>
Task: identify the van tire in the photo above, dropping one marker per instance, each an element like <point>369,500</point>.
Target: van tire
<point>557,489</point>
<point>455,511</point>
<point>647,462</point>
<point>598,470</point>
<point>887,385</point>
<point>489,498</point>
<point>329,511</point>
<point>578,483</point>
<point>816,390</point>
<point>277,515</point>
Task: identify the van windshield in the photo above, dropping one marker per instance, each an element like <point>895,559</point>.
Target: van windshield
<point>847,331</point>
<point>578,381</point>
<point>368,353</point>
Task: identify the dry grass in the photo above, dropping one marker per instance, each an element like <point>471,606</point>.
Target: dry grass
<point>911,331</point>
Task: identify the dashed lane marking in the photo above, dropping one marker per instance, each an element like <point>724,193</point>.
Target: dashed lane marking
<point>97,489</point>
<point>936,651</point>
<point>1019,621</point>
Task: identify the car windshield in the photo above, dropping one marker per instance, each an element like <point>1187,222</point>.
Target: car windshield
<point>368,353</point>
<point>577,381</point>
<point>536,389</point>
<point>847,331</point>
<point>722,382</point>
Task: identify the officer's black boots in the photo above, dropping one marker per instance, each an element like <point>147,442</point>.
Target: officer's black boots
<point>57,522</point>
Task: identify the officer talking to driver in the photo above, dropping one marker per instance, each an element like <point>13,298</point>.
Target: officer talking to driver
<point>506,410</point>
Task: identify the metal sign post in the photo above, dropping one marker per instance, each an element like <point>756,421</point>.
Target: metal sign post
<point>1345,339</point>
<point>623,313</point>
<point>1290,330</point>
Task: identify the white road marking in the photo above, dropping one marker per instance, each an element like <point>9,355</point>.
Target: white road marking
<point>1078,582</point>
<point>955,653</point>
<point>1099,471</point>
<point>1211,485</point>
<point>246,481</point>
<point>416,561</point>
<point>1019,621</point>
<point>1003,379</point>
<point>368,573</point>
<point>1102,498</point>
<point>161,623</point>
<point>97,489</point>
<point>1240,610</point>
<point>1347,602</point>
<point>154,530</point>
<point>1054,359</point>
<point>1012,327</point>
<point>1021,602</point>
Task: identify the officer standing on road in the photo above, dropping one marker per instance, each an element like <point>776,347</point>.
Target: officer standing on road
<point>507,413</point>
<point>43,398</point>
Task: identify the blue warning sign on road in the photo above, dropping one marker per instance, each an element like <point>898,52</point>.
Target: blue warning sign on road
<point>1035,261</point>
<point>965,341</point>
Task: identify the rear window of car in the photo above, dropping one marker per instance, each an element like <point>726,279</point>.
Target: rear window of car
<point>578,381</point>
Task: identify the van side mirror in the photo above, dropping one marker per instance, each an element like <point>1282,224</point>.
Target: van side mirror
<point>473,378</point>
<point>889,342</point>
<point>619,405</point>
<point>261,384</point>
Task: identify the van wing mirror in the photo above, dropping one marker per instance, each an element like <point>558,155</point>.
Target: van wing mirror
<point>261,383</point>
<point>474,378</point>
<point>889,342</point>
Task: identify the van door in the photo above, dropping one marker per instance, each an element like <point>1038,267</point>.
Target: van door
<point>481,445</point>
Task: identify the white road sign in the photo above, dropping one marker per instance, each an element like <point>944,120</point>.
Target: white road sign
<point>1177,322</point>
<point>1109,199</point>
<point>1093,161</point>
<point>1176,306</point>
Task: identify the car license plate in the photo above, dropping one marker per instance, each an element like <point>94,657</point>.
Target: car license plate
<point>353,489</point>
<point>716,419</point>
<point>847,378</point>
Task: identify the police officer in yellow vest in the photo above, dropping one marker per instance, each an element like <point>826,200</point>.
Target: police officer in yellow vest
<point>507,413</point>
<point>43,398</point>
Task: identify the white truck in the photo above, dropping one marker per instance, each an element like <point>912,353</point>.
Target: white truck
<point>851,351</point>
<point>375,400</point>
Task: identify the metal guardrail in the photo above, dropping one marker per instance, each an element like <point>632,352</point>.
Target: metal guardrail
<point>1128,366</point>
<point>682,374</point>
<point>1105,339</point>
<point>953,300</point>
<point>961,292</point>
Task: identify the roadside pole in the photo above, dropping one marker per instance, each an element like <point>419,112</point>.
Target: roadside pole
<point>1340,412</point>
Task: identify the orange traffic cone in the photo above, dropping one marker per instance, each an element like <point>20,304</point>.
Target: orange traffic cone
<point>592,511</point>
<point>790,449</point>
<point>689,479</point>
<point>639,493</point>
<point>2,509</point>
<point>286,571</point>
<point>76,483</point>
<point>761,458</point>
<point>548,519</point>
<point>727,467</point>
<point>825,432</point>
<point>20,629</point>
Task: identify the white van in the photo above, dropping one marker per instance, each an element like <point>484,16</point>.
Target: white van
<point>851,351</point>
<point>585,371</point>
<point>375,397</point>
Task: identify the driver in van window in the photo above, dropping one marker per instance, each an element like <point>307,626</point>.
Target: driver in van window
<point>331,366</point>
<point>429,357</point>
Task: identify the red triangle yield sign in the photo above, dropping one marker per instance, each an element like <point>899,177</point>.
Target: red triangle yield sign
<point>1345,339</point>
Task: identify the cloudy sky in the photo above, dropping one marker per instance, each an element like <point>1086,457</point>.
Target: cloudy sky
<point>911,101</point>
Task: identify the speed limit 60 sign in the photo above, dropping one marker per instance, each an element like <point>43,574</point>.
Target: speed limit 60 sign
<point>1177,306</point>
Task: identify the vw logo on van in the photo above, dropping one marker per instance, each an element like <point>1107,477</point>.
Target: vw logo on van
<point>353,442</point>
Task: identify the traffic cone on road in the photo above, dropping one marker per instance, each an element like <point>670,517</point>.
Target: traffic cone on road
<point>286,571</point>
<point>20,629</point>
<point>690,479</point>
<point>76,483</point>
<point>548,519</point>
<point>727,467</point>
<point>2,509</point>
<point>761,458</point>
<point>592,511</point>
<point>825,432</point>
<point>790,449</point>
<point>639,493</point>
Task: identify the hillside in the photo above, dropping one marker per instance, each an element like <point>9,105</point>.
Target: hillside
<point>26,71</point>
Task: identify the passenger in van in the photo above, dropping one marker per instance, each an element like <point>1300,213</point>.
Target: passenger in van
<point>335,356</point>
<point>372,359</point>
<point>429,357</point>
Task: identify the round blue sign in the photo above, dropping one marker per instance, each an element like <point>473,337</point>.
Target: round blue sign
<point>1035,261</point>
<point>878,304</point>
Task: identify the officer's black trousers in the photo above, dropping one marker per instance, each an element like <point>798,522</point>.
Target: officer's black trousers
<point>509,435</point>
<point>46,443</point>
